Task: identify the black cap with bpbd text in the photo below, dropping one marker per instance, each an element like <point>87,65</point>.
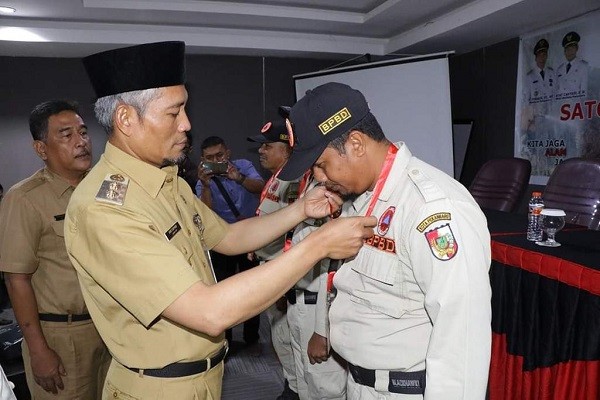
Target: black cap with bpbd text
<point>323,114</point>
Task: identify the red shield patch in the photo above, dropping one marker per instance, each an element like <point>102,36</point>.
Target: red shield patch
<point>385,221</point>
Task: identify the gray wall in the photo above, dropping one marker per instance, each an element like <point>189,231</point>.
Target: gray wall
<point>483,89</point>
<point>233,96</point>
<point>229,96</point>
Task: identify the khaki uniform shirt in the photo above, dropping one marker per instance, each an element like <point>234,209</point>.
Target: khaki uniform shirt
<point>32,241</point>
<point>135,256</point>
<point>417,295</point>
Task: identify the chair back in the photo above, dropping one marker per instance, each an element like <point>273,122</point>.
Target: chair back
<point>574,186</point>
<point>500,183</point>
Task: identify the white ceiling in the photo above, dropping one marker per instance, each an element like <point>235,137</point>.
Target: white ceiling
<point>305,28</point>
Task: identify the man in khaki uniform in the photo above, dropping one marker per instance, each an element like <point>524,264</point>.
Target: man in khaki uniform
<point>138,237</point>
<point>62,351</point>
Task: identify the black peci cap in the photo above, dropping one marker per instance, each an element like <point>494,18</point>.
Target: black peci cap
<point>140,67</point>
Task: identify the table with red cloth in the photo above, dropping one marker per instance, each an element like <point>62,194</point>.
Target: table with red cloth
<point>545,313</point>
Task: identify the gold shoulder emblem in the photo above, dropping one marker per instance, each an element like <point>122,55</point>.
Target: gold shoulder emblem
<point>113,189</point>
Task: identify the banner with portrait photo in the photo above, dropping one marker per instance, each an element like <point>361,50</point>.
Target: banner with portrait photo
<point>558,95</point>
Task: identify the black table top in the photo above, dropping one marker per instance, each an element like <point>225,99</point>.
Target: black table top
<point>579,245</point>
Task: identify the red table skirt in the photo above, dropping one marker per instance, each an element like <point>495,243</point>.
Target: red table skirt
<point>572,380</point>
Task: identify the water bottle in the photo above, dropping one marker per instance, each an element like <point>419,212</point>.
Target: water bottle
<point>534,225</point>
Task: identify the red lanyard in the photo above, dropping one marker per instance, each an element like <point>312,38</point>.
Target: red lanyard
<point>301,187</point>
<point>383,175</point>
<point>263,193</point>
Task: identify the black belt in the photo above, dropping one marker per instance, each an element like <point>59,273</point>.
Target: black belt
<point>399,382</point>
<point>178,370</point>
<point>64,317</point>
<point>309,297</point>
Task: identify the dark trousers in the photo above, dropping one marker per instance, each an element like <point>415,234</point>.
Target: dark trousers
<point>226,266</point>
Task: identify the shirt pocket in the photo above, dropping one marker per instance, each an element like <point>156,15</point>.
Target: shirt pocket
<point>59,228</point>
<point>381,283</point>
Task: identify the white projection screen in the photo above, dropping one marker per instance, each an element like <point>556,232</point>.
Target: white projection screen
<point>410,97</point>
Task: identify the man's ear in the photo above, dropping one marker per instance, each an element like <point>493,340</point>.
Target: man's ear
<point>40,149</point>
<point>356,143</point>
<point>125,119</point>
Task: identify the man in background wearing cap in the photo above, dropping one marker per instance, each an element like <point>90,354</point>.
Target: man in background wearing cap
<point>572,75</point>
<point>540,79</point>
<point>540,85</point>
<point>63,355</point>
<point>274,152</point>
<point>319,373</point>
<point>232,195</point>
<point>138,237</point>
<point>413,307</point>
<point>315,374</point>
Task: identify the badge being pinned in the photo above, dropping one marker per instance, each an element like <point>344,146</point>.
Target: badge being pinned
<point>113,189</point>
<point>442,242</point>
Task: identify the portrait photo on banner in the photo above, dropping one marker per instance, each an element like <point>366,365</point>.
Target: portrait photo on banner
<point>558,95</point>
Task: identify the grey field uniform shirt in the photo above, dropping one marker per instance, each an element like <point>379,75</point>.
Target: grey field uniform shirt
<point>278,195</point>
<point>32,241</point>
<point>133,233</point>
<point>417,295</point>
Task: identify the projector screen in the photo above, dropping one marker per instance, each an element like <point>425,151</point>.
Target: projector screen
<point>409,97</point>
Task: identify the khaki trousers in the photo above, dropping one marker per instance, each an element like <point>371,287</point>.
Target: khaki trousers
<point>83,354</point>
<point>123,384</point>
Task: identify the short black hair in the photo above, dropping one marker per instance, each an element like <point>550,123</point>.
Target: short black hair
<point>212,141</point>
<point>367,125</point>
<point>38,119</point>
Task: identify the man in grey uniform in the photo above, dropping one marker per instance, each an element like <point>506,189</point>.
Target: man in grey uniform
<point>320,375</point>
<point>412,313</point>
<point>274,152</point>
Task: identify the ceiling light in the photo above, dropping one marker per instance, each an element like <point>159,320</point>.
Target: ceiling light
<point>14,34</point>
<point>7,10</point>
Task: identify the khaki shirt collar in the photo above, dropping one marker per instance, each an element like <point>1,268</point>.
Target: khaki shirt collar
<point>148,177</point>
<point>58,185</point>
